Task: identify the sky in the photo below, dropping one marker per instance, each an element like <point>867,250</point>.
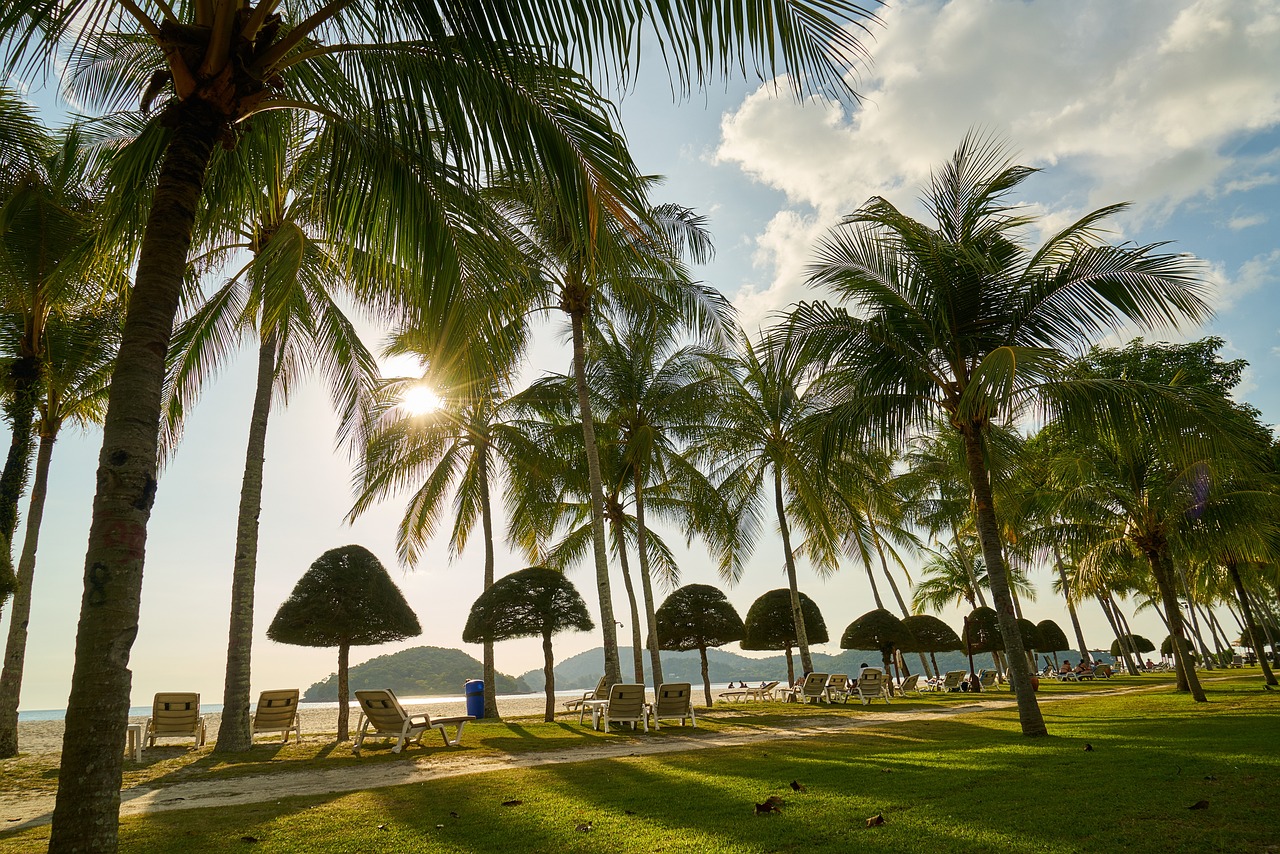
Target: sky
<point>1171,106</point>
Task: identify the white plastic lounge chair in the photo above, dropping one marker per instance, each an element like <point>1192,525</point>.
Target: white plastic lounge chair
<point>871,684</point>
<point>624,705</point>
<point>814,687</point>
<point>987,679</point>
<point>674,700</point>
<point>951,682</point>
<point>382,713</point>
<point>278,712</point>
<point>911,683</point>
<point>764,692</point>
<point>176,716</point>
<point>579,703</point>
<point>837,688</point>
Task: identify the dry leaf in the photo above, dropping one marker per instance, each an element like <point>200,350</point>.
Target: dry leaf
<point>514,802</point>
<point>875,820</point>
<point>585,827</point>
<point>1199,805</point>
<point>1088,747</point>
<point>798,787</point>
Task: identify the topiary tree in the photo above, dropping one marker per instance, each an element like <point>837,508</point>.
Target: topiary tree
<point>1166,648</point>
<point>534,602</point>
<point>1052,639</point>
<point>345,599</point>
<point>771,624</point>
<point>695,617</point>
<point>877,629</point>
<point>931,635</point>
<point>1137,643</point>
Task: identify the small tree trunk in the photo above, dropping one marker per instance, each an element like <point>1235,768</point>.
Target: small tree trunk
<point>24,378</point>
<point>344,693</point>
<point>637,645</point>
<point>1071,606</point>
<point>706,675</point>
<point>897,594</point>
<point>15,649</point>
<point>1187,679</point>
<point>549,673</point>
<point>791,667</point>
<point>1256,641</point>
<point>646,583</point>
<point>802,634</point>
<point>1029,715</point>
<point>490,672</point>
<point>234,733</point>
<point>85,818</point>
<point>576,298</point>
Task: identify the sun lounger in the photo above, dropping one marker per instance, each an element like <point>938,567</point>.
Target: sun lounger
<point>951,681</point>
<point>673,701</point>
<point>871,684</point>
<point>625,704</point>
<point>911,683</point>
<point>175,716</point>
<point>382,715</point>
<point>814,687</point>
<point>277,711</point>
<point>764,692</point>
<point>837,687</point>
<point>579,703</point>
<point>988,679</point>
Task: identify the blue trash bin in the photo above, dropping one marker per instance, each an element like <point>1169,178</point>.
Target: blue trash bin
<point>475,697</point>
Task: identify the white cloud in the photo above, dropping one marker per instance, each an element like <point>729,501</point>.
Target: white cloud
<point>1239,223</point>
<point>1141,101</point>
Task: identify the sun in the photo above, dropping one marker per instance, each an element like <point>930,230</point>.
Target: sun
<point>420,400</point>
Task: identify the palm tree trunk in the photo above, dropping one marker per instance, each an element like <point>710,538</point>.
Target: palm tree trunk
<point>1215,626</point>
<point>1029,715</point>
<point>637,649</point>
<point>802,636</point>
<point>791,667</point>
<point>646,584</point>
<point>871,579</point>
<point>1071,608</point>
<point>897,594</point>
<point>1210,660</point>
<point>1187,679</point>
<point>1238,583</point>
<point>85,817</point>
<point>549,674</point>
<point>706,675</point>
<point>24,376</point>
<point>234,732</point>
<point>608,624</point>
<point>1122,640</point>
<point>490,672</point>
<point>15,650</point>
<point>968,568</point>
<point>344,692</point>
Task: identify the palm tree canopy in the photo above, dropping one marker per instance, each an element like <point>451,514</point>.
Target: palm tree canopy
<point>532,602</point>
<point>770,623</point>
<point>697,616</point>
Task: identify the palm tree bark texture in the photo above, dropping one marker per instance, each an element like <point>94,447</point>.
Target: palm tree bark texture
<point>802,635</point>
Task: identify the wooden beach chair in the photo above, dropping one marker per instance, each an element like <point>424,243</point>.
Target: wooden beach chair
<point>382,715</point>
<point>175,715</point>
<point>671,702</point>
<point>277,711</point>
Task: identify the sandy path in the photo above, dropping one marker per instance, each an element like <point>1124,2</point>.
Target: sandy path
<point>32,811</point>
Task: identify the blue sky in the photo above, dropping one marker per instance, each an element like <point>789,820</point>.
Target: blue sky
<point>1172,106</point>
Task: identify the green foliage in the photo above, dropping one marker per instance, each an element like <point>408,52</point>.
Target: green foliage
<point>981,632</point>
<point>1052,637</point>
<point>1257,631</point>
<point>698,616</point>
<point>1137,642</point>
<point>928,634</point>
<point>528,603</point>
<point>770,623</point>
<point>345,598</point>
<point>1166,648</point>
<point>422,671</point>
<point>878,630</point>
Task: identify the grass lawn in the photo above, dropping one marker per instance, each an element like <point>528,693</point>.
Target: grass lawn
<point>956,783</point>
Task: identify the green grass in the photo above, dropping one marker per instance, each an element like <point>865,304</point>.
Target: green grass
<point>956,783</point>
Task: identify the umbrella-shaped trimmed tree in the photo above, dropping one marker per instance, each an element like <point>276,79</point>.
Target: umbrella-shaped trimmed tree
<point>697,616</point>
<point>771,624</point>
<point>533,602</point>
<point>877,629</point>
<point>982,633</point>
<point>1166,648</point>
<point>345,599</point>
<point>931,635</point>
<point>1137,643</point>
<point>1052,639</point>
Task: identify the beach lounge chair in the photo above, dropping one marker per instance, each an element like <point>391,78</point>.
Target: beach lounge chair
<point>1237,661</point>
<point>624,705</point>
<point>911,683</point>
<point>278,712</point>
<point>814,687</point>
<point>764,692</point>
<point>837,688</point>
<point>1103,671</point>
<point>673,701</point>
<point>988,679</point>
<point>175,716</point>
<point>382,715</point>
<point>871,684</point>
<point>578,703</point>
<point>951,682</point>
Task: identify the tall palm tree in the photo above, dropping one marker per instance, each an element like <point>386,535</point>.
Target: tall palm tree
<point>761,451</point>
<point>629,266</point>
<point>228,60</point>
<point>965,320</point>
<point>78,353</point>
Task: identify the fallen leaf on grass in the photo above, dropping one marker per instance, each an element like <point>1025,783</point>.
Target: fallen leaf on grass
<point>1199,805</point>
<point>452,814</point>
<point>514,802</point>
<point>249,839</point>
<point>773,803</point>
<point>383,827</point>
<point>875,820</point>
<point>1211,778</point>
<point>628,812</point>
<point>1088,747</point>
<point>886,770</point>
<point>585,827</point>
<point>439,827</point>
<point>798,786</point>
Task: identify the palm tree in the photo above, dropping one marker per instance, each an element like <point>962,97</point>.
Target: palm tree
<point>78,351</point>
<point>759,448</point>
<point>629,266</point>
<point>227,60</point>
<point>965,320</point>
<point>458,445</point>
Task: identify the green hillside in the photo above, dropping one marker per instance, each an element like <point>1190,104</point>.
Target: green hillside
<point>423,671</point>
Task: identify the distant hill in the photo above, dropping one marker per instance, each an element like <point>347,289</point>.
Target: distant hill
<point>422,671</point>
<point>583,670</point>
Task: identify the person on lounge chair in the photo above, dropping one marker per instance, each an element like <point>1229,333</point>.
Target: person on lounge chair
<point>1066,667</point>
